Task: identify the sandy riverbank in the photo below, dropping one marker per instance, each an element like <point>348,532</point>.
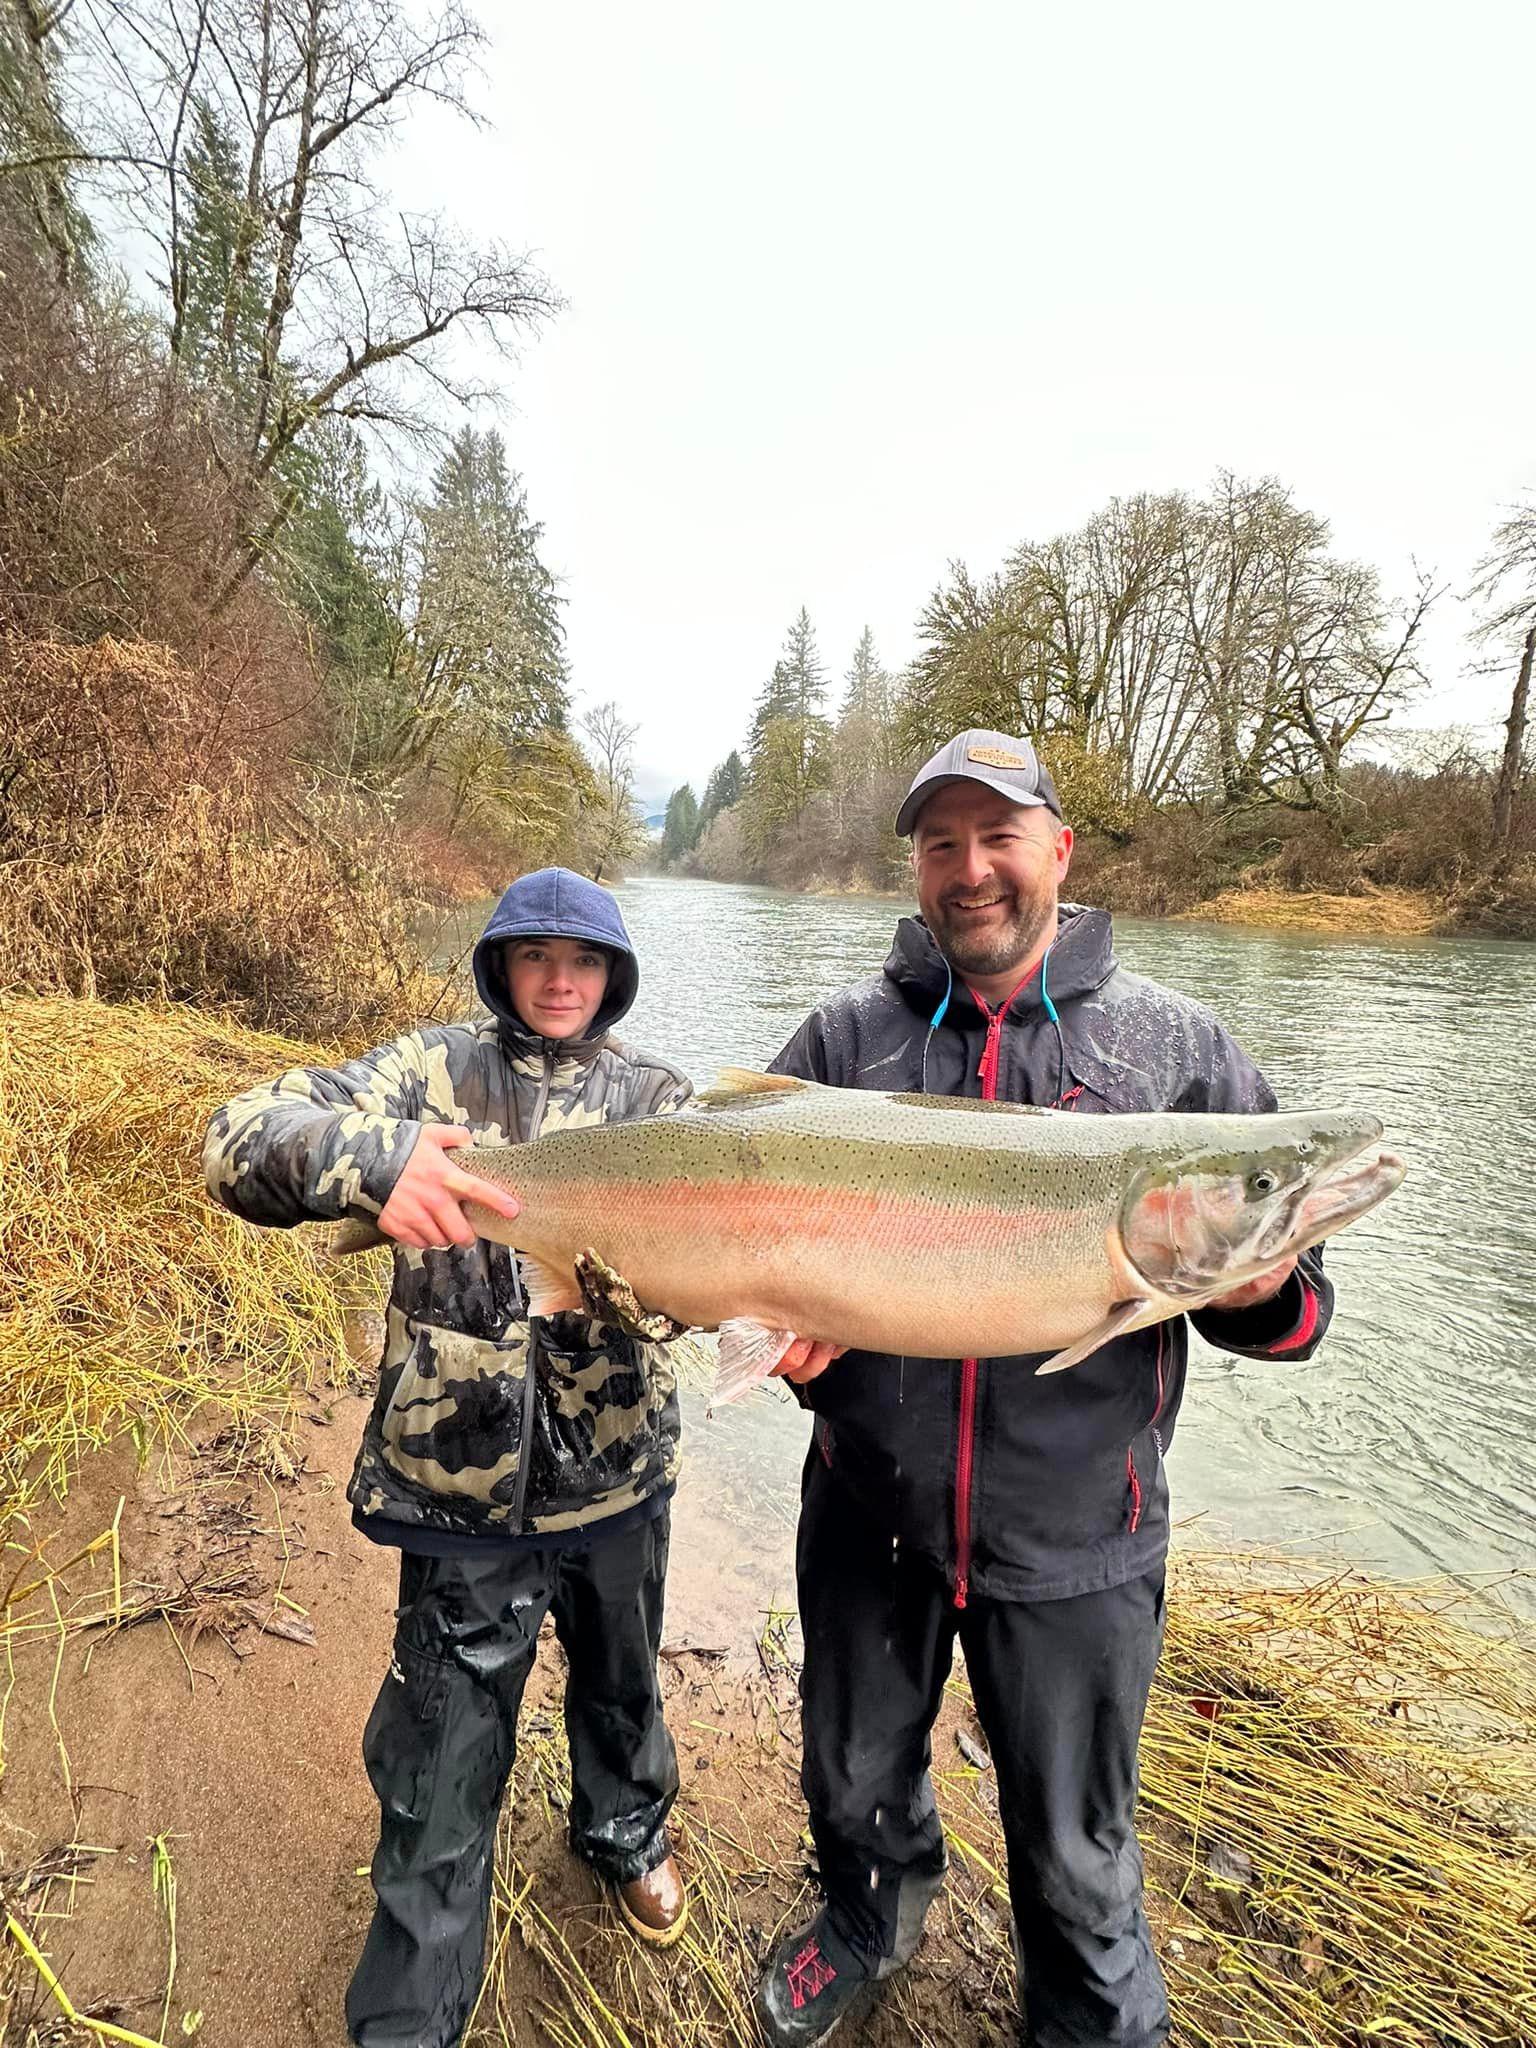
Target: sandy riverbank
<point>1384,913</point>
<point>1297,1796</point>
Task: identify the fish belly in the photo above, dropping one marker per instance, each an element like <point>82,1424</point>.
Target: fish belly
<point>845,1267</point>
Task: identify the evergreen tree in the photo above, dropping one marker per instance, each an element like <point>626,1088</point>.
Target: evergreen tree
<point>866,737</point>
<point>35,134</point>
<point>797,687</point>
<point>867,684</point>
<point>488,613</point>
<point>330,567</point>
<point>724,789</point>
<point>680,833</point>
<point>790,751</point>
<point>218,291</point>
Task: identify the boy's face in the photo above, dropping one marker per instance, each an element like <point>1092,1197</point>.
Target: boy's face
<point>556,985</point>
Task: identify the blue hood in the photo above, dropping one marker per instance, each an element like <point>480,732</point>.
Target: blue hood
<point>552,903</point>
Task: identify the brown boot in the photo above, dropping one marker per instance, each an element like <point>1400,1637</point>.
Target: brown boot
<point>655,1907</point>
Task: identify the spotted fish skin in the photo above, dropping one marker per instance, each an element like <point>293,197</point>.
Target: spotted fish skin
<point>931,1227</point>
<point>484,1421</point>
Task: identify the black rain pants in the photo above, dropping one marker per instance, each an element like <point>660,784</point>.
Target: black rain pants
<point>1060,1688</point>
<point>442,1737</point>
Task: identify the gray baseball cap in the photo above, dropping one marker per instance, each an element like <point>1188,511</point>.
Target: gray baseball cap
<point>997,760</point>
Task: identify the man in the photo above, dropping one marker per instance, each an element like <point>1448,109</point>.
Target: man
<point>521,1467</point>
<point>1026,1516</point>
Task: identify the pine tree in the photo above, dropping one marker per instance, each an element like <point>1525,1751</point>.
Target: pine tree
<point>680,833</point>
<point>724,789</point>
<point>327,565</point>
<point>489,627</point>
<point>790,751</point>
<point>218,292</point>
<point>35,133</point>
<point>867,692</point>
<point>865,727</point>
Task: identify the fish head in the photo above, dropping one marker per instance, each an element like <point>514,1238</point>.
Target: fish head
<point>1200,1222</point>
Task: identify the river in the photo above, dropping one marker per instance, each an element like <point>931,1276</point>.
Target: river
<point>1408,1445</point>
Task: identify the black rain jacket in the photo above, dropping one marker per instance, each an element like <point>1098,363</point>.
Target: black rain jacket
<point>1021,1487</point>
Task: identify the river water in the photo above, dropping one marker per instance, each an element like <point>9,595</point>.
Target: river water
<point>1408,1445</point>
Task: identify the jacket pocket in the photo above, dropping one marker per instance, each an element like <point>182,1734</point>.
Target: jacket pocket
<point>452,1426</point>
<point>601,1413</point>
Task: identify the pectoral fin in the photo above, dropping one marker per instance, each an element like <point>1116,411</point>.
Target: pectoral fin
<point>608,1296</point>
<point>1120,1317</point>
<point>353,1235</point>
<point>549,1291</point>
<point>748,1353</point>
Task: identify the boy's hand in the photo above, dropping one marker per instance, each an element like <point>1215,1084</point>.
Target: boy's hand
<point>424,1208</point>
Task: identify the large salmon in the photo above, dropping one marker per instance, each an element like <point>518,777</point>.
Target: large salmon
<point>934,1226</point>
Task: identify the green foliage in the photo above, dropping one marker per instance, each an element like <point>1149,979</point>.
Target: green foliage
<point>488,623</point>
<point>977,655</point>
<point>220,287</point>
<point>797,687</point>
<point>328,560</point>
<point>791,762</point>
<point>790,758</point>
<point>724,789</point>
<point>37,142</point>
<point>680,833</point>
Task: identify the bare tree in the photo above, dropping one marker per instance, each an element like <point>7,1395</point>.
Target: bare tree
<point>1349,667</point>
<point>614,832</point>
<point>329,304</point>
<point>1505,580</point>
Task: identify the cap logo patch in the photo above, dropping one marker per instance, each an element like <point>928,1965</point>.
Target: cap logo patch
<point>998,757</point>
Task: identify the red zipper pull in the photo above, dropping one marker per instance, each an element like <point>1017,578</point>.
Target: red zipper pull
<point>991,1056</point>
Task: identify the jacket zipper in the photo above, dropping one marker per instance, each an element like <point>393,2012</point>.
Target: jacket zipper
<point>1133,1479</point>
<point>964,1461</point>
<point>965,1453</point>
<point>530,1377</point>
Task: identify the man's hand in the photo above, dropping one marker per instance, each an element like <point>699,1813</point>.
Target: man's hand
<point>1263,1287</point>
<point>804,1360</point>
<point>424,1208</point>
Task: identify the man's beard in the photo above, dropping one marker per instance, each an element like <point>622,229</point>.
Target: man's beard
<point>1000,946</point>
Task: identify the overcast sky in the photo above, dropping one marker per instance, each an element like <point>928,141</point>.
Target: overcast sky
<point>856,288</point>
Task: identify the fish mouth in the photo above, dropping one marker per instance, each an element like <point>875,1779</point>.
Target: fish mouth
<point>1348,1191</point>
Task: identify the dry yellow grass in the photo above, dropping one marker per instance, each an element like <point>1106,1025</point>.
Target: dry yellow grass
<point>1398,913</point>
<point>1338,1805</point>
<point>128,1300</point>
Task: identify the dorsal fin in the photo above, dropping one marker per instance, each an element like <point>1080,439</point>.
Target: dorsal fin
<point>737,1086</point>
<point>973,1102</point>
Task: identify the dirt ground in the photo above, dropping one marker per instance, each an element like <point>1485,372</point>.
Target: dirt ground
<point>239,1747</point>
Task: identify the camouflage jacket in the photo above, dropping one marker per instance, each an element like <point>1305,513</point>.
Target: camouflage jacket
<point>485,1422</point>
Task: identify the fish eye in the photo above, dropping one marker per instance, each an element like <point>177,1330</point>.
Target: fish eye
<point>1263,1182</point>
